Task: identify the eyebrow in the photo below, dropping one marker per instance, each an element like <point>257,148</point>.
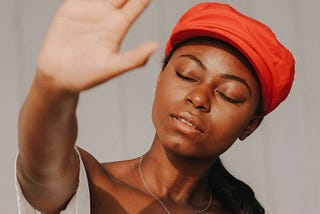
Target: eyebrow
<point>236,78</point>
<point>224,76</point>
<point>196,60</point>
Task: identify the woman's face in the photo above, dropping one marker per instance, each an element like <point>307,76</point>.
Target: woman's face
<point>206,98</point>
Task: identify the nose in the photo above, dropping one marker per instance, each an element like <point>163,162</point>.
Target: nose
<point>199,98</point>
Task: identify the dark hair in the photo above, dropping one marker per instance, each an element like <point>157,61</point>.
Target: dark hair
<point>234,195</point>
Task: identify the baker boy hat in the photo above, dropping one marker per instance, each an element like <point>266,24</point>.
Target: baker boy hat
<point>272,62</point>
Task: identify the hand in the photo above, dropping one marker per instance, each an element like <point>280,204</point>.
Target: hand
<point>81,49</point>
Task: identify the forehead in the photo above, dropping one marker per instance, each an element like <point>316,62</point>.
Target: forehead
<point>205,46</point>
<point>218,57</point>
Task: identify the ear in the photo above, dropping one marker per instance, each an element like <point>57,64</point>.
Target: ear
<point>251,127</point>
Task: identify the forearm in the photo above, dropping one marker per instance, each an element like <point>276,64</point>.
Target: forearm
<point>47,128</point>
<point>48,164</point>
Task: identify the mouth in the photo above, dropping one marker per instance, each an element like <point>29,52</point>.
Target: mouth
<point>188,123</point>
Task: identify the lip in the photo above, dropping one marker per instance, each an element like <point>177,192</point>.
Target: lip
<point>188,123</point>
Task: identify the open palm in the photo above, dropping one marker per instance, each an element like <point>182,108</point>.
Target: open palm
<point>81,49</point>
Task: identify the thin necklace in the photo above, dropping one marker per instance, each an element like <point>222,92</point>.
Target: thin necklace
<point>158,199</point>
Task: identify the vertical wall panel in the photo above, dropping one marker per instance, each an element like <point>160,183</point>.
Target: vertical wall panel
<point>9,100</point>
<point>280,160</point>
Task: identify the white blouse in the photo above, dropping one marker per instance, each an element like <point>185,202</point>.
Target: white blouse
<point>79,204</point>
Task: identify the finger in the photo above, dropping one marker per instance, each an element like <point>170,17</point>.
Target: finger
<point>133,8</point>
<point>118,3</point>
<point>134,58</point>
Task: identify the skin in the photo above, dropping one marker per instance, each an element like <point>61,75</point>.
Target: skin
<point>209,84</point>
<point>177,165</point>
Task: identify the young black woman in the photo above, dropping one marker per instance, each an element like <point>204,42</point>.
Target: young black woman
<point>222,73</point>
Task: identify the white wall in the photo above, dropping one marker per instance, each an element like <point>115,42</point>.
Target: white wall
<point>280,161</point>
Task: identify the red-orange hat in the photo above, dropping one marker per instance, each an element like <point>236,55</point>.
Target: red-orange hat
<point>273,63</point>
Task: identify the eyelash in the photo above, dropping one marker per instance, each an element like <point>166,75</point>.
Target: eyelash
<point>230,100</point>
<point>184,77</point>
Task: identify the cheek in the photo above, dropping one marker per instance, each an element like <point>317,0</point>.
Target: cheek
<point>168,98</point>
<point>161,102</point>
<point>235,121</point>
<point>167,92</point>
<point>226,128</point>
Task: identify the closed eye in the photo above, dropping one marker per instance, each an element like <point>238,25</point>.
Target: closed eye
<point>228,99</point>
<point>184,77</point>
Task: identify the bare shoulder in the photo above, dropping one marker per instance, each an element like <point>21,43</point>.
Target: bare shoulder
<point>111,183</point>
<point>122,170</point>
<point>92,166</point>
<point>114,171</point>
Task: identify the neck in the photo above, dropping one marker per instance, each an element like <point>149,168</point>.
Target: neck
<point>175,177</point>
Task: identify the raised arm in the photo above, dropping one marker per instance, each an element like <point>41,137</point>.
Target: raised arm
<point>81,50</point>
